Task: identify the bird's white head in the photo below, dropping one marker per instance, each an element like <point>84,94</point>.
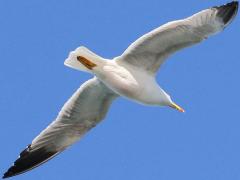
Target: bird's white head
<point>165,100</point>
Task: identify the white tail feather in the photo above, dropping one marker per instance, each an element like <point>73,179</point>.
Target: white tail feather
<point>82,51</point>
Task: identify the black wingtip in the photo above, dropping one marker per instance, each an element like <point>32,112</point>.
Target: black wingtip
<point>4,176</point>
<point>227,12</point>
<point>28,160</point>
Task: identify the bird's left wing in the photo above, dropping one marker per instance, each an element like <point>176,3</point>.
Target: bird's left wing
<point>150,51</point>
<point>86,108</point>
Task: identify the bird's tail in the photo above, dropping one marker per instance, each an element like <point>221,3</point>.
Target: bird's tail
<point>84,60</point>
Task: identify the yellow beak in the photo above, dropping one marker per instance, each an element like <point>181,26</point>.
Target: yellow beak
<point>175,106</point>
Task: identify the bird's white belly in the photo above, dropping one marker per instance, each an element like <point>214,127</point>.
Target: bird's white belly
<point>138,87</point>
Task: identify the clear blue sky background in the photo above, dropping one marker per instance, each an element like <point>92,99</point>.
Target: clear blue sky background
<point>134,142</point>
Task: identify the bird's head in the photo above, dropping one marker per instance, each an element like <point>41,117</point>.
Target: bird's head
<point>166,100</point>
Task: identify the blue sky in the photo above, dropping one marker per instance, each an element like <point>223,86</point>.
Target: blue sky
<point>134,141</point>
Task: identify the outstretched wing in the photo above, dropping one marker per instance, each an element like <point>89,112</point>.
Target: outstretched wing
<point>86,108</point>
<point>149,51</point>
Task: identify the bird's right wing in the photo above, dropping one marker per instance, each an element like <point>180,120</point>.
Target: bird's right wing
<point>84,110</point>
<point>151,50</point>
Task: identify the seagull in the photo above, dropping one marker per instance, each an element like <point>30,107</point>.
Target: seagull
<point>131,75</point>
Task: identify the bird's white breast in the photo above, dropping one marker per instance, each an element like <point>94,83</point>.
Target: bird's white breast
<point>134,84</point>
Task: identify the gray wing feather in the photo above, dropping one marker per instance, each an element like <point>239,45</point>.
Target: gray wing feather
<point>150,51</point>
<point>84,110</point>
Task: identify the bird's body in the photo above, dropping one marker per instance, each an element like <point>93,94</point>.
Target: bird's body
<point>130,82</point>
<point>130,75</point>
